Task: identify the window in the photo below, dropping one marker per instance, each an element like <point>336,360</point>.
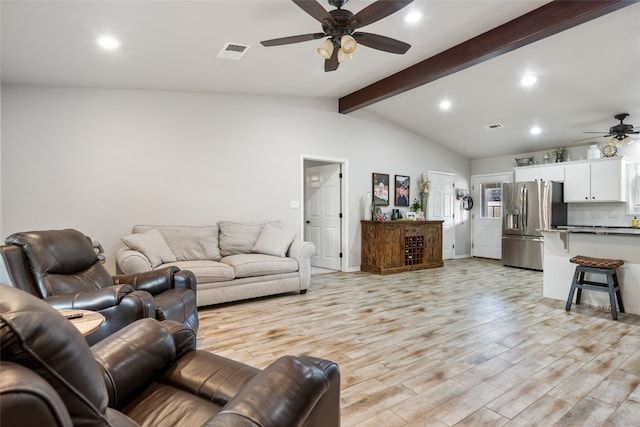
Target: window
<point>491,200</point>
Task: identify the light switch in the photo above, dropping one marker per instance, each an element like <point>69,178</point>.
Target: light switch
<point>295,204</point>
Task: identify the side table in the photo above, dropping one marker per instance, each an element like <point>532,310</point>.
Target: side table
<point>87,320</point>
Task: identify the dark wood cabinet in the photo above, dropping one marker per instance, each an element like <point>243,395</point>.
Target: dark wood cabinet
<point>395,246</point>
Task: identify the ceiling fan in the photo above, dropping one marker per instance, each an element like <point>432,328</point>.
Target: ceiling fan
<point>339,25</point>
<point>620,132</point>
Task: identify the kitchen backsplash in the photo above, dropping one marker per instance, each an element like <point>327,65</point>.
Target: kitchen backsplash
<point>603,214</point>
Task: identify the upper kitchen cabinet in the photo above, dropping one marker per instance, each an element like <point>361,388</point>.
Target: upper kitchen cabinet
<point>601,180</point>
<point>548,172</point>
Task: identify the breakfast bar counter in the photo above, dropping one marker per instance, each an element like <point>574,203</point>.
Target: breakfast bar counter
<point>599,242</point>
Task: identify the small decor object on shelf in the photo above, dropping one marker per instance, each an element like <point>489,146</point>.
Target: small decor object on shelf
<point>424,186</point>
<point>609,150</point>
<point>380,189</point>
<point>560,154</point>
<point>366,207</point>
<point>416,205</point>
<point>402,190</point>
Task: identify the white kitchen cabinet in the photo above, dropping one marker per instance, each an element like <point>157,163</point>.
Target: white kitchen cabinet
<point>600,180</point>
<point>526,173</point>
<point>550,172</point>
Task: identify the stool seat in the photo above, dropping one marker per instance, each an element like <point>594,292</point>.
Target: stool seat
<point>607,267</point>
<point>588,261</point>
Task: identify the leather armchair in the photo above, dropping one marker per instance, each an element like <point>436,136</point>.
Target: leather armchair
<point>62,267</point>
<point>148,373</point>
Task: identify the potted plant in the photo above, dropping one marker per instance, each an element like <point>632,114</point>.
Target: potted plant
<point>560,154</point>
<point>416,206</point>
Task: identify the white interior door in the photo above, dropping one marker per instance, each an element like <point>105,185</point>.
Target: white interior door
<point>486,220</point>
<point>322,214</point>
<point>440,207</point>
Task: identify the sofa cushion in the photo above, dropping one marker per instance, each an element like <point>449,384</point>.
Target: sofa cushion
<point>188,242</point>
<point>152,245</point>
<point>273,240</point>
<point>237,238</point>
<point>249,265</point>
<point>206,271</point>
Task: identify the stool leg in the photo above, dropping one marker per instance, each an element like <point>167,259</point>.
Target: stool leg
<point>618,295</point>
<point>580,282</point>
<point>574,282</point>
<point>612,297</point>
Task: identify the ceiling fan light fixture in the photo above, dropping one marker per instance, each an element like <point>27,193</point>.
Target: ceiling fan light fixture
<point>326,49</point>
<point>348,44</point>
<point>621,142</point>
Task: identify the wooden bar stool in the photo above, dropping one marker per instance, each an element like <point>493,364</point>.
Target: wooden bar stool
<point>608,267</point>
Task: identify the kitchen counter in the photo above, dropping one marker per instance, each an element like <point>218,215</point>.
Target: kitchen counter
<point>600,242</point>
<point>589,229</point>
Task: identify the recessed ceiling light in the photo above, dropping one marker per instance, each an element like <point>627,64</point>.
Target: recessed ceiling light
<point>412,17</point>
<point>445,104</point>
<point>108,42</point>
<point>528,80</point>
<point>535,130</point>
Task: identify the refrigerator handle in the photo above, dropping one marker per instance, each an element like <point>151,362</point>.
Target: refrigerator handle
<point>525,207</point>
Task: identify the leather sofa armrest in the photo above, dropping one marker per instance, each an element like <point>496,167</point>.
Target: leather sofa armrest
<point>184,279</point>
<point>129,261</point>
<point>154,282</point>
<point>210,376</point>
<point>184,337</point>
<point>133,356</point>
<point>283,394</point>
<point>95,300</point>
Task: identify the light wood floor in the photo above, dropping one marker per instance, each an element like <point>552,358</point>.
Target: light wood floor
<point>469,344</point>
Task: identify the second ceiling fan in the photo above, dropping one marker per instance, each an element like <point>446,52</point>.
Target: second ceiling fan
<point>340,25</point>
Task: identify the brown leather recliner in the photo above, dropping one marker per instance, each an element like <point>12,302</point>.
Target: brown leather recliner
<point>148,373</point>
<point>62,267</point>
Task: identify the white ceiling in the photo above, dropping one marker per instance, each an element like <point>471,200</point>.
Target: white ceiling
<point>586,74</point>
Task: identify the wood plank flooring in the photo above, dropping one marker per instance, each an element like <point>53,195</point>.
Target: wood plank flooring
<point>470,344</point>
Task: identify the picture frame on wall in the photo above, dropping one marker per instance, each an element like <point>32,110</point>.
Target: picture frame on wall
<point>380,189</point>
<point>401,193</point>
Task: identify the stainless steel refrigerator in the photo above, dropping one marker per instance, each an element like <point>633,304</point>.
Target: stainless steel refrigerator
<point>528,208</point>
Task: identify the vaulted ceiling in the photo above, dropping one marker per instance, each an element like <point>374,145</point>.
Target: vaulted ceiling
<point>586,74</point>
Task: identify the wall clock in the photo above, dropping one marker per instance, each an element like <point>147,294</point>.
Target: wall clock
<point>609,150</point>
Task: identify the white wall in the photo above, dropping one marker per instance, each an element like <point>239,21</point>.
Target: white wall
<point>102,160</point>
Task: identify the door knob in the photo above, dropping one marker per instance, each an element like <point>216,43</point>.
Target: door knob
<point>308,222</point>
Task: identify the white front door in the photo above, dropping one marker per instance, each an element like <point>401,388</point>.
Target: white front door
<point>486,220</point>
<point>440,207</point>
<point>322,214</point>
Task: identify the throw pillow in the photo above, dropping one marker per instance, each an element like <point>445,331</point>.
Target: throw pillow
<point>152,245</point>
<point>188,242</point>
<point>237,238</point>
<point>273,241</point>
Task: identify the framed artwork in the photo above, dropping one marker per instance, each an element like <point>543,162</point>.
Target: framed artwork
<point>401,194</point>
<point>380,189</point>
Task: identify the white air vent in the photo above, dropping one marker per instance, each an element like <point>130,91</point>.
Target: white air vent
<point>493,126</point>
<point>233,51</point>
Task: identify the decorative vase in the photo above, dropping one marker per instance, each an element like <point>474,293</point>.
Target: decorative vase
<point>424,199</point>
<point>366,207</point>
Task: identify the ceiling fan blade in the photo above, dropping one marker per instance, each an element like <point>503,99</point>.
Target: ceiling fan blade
<point>315,9</point>
<point>332,63</point>
<point>591,137</point>
<point>292,39</point>
<point>379,42</point>
<point>375,11</point>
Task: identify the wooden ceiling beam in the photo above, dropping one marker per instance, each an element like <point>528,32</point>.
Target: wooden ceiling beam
<point>545,21</point>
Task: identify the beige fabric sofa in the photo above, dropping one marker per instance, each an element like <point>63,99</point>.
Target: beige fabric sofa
<point>231,261</point>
